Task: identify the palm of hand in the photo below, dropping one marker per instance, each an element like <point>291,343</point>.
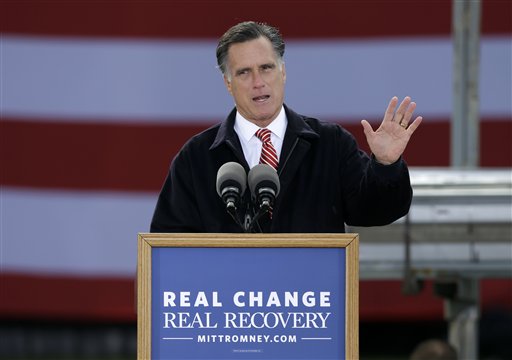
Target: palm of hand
<point>389,141</point>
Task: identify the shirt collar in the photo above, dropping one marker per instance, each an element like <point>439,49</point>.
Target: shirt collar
<point>246,129</point>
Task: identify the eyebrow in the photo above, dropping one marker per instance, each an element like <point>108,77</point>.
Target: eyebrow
<point>270,65</point>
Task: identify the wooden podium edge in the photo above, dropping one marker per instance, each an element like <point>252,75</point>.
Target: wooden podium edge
<point>352,299</point>
<point>348,241</point>
<point>249,240</point>
<point>143,298</point>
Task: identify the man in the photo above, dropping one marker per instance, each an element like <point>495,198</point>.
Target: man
<point>325,180</point>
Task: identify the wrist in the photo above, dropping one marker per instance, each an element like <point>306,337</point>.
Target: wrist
<point>384,162</point>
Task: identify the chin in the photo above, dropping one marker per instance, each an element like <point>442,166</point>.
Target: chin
<point>264,118</point>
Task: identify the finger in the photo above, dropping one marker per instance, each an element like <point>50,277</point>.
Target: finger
<point>414,125</point>
<point>408,114</point>
<point>400,112</point>
<point>367,128</point>
<point>390,111</point>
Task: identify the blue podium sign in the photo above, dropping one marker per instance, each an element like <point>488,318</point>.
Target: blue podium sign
<point>222,296</point>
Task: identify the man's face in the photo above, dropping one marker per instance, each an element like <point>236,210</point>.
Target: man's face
<point>256,80</point>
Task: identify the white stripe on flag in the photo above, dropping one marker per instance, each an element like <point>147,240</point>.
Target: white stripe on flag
<point>81,233</point>
<point>161,81</point>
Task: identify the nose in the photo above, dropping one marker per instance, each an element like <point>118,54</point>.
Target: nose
<point>257,80</point>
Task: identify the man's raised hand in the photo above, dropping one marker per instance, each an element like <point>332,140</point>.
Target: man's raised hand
<point>389,141</point>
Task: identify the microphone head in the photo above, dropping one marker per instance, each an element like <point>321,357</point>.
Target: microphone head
<point>231,174</point>
<point>263,175</point>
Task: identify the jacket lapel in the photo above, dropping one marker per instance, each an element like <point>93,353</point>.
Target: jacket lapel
<point>297,142</point>
<point>226,135</point>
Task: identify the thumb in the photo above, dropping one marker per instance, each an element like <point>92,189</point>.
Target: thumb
<point>367,128</point>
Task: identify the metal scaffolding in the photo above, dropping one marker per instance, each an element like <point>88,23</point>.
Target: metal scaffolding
<point>465,132</point>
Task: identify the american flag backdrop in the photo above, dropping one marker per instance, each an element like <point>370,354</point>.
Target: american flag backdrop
<point>98,96</point>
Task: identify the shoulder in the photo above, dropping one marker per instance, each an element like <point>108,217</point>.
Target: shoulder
<point>303,122</point>
<point>202,140</point>
<point>328,137</point>
<point>195,147</point>
<point>323,129</point>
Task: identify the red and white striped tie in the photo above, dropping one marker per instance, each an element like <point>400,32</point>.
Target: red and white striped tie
<point>268,151</point>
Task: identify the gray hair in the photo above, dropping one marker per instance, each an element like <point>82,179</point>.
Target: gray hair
<point>245,31</point>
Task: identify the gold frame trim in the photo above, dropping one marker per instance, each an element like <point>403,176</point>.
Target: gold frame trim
<point>147,241</point>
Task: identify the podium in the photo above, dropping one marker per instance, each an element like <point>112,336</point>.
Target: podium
<point>248,296</point>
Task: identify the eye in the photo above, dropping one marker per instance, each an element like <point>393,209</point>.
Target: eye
<point>242,72</point>
<point>268,67</point>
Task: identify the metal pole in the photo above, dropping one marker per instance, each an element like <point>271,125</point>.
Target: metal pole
<point>462,313</point>
<point>465,134</point>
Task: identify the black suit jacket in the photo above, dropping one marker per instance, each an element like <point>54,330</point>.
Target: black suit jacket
<point>326,181</point>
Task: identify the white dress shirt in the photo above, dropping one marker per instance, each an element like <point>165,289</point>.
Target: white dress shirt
<point>251,145</point>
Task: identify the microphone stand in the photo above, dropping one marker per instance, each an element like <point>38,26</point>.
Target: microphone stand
<point>232,211</point>
<point>266,199</point>
<point>249,224</point>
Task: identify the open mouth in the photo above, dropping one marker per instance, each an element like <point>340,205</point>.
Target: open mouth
<point>261,98</point>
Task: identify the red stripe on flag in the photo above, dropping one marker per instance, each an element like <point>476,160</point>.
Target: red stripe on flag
<point>113,299</point>
<point>66,298</point>
<point>383,300</point>
<point>430,145</point>
<point>60,155</point>
<point>89,156</point>
<point>496,143</point>
<point>207,19</point>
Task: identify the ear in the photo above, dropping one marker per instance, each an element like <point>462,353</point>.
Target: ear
<point>228,84</point>
<point>283,70</point>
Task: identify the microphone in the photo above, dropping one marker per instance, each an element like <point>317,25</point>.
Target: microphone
<point>231,184</point>
<point>264,184</point>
